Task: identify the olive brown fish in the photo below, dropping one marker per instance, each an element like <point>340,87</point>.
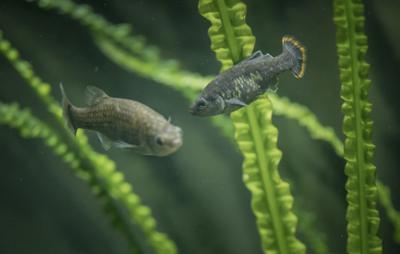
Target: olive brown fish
<point>123,123</point>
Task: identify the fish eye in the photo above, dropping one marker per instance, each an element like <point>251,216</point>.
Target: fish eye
<point>159,141</point>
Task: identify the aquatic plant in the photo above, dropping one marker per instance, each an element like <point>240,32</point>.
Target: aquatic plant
<point>118,43</point>
<point>132,53</point>
<point>96,169</point>
<point>232,40</point>
<point>362,214</point>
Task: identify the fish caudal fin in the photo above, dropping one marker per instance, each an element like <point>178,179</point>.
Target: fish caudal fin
<point>66,104</point>
<point>298,52</point>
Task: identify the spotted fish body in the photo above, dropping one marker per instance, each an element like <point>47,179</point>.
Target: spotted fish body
<point>244,82</point>
<point>124,123</point>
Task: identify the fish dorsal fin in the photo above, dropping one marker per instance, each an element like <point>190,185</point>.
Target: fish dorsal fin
<point>105,142</point>
<point>255,55</point>
<point>268,56</point>
<point>94,95</point>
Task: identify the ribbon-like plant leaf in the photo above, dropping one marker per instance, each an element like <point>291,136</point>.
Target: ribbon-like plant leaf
<point>362,215</point>
<point>232,40</point>
<point>99,171</point>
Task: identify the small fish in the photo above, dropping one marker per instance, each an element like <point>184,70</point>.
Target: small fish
<point>123,123</point>
<point>244,82</point>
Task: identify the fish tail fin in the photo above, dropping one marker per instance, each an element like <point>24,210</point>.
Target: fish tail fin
<point>67,114</point>
<point>297,51</point>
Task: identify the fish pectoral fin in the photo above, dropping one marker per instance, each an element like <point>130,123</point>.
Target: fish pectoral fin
<point>236,102</point>
<point>94,95</point>
<point>105,141</point>
<point>124,145</point>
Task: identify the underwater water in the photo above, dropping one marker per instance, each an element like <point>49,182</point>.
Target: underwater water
<point>196,195</point>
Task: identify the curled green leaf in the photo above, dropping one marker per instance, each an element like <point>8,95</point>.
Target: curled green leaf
<point>232,40</point>
<point>272,202</point>
<point>362,215</point>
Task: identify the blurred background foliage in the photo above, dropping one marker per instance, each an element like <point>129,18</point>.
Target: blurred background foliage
<point>196,195</point>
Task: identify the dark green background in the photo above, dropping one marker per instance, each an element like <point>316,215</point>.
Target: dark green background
<point>197,195</point>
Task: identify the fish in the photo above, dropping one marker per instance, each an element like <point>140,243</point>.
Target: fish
<point>246,81</point>
<point>123,123</point>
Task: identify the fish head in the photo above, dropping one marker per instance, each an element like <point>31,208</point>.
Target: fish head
<point>167,141</point>
<point>207,106</point>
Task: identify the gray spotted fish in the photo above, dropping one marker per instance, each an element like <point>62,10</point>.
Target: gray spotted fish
<point>244,82</point>
<point>123,123</point>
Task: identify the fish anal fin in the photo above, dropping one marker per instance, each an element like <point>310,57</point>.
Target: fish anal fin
<point>236,102</point>
<point>94,95</point>
<point>105,141</point>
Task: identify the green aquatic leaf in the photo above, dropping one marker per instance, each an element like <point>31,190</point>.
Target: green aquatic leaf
<point>232,40</point>
<point>272,202</point>
<point>96,169</point>
<point>362,215</point>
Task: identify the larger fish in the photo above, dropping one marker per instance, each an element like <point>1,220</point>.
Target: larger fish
<point>123,123</point>
<point>244,82</point>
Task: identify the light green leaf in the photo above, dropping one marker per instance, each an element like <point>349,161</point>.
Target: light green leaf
<point>362,215</point>
<point>232,40</point>
<point>272,202</point>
